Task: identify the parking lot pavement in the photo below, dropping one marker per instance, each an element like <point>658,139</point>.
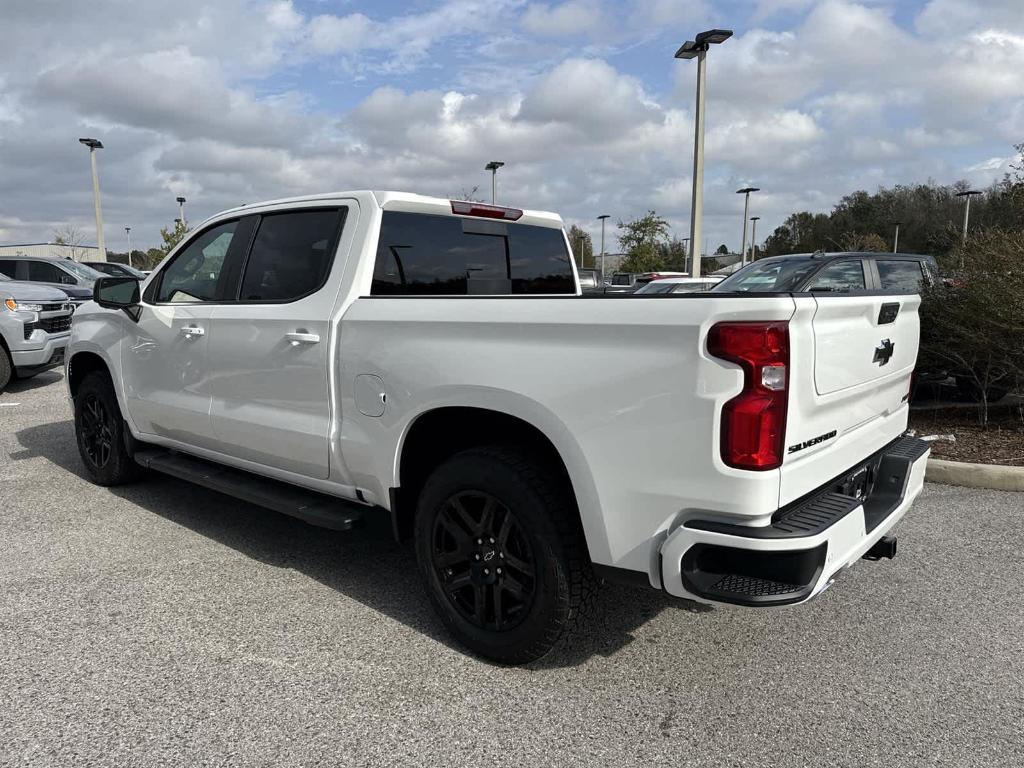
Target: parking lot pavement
<point>161,624</point>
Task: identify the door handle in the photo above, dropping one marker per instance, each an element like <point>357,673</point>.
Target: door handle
<point>302,337</point>
<point>192,331</point>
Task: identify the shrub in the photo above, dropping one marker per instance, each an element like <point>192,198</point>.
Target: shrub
<point>972,324</point>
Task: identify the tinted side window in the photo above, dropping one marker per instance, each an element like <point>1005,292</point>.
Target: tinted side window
<point>44,272</point>
<point>9,267</point>
<point>840,276</point>
<point>421,254</point>
<point>195,271</point>
<point>291,255</point>
<point>900,276</point>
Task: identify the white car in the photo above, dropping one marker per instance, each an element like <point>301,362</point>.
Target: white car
<point>378,353</point>
<point>683,284</point>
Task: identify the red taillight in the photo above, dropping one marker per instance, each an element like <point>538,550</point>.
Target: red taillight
<point>464,208</point>
<point>754,422</point>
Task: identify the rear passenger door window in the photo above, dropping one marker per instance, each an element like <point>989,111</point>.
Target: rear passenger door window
<point>423,254</point>
<point>839,277</point>
<point>291,255</point>
<point>900,275</point>
<point>43,272</point>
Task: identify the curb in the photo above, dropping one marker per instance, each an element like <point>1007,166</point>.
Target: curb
<point>997,477</point>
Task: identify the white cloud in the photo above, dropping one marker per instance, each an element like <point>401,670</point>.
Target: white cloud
<point>568,19</point>
<point>243,100</point>
<point>334,34</point>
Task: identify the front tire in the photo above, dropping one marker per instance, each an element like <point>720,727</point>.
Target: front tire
<point>6,368</point>
<point>501,553</point>
<point>100,431</point>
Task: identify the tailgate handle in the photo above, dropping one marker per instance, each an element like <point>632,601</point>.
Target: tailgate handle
<point>887,314</point>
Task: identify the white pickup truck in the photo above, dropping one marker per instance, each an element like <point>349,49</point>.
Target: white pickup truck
<point>352,354</point>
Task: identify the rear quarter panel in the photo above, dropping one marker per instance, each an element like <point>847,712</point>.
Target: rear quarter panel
<point>623,388</point>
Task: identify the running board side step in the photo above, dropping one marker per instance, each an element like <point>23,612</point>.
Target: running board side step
<point>314,508</point>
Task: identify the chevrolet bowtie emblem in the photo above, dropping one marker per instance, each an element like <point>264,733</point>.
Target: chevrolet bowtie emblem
<point>883,352</point>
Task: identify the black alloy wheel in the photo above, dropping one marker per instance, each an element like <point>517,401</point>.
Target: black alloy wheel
<point>483,560</point>
<point>97,431</point>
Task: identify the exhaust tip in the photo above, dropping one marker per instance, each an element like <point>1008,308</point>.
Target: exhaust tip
<point>884,547</point>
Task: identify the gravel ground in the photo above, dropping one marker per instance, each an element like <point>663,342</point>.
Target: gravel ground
<point>160,624</point>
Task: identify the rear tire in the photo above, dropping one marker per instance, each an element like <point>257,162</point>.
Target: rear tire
<point>6,368</point>
<point>100,432</point>
<point>502,554</point>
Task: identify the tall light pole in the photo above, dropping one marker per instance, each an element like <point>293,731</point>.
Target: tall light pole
<point>698,49</point>
<point>493,167</point>
<point>128,232</point>
<point>181,211</point>
<point>753,237</point>
<point>602,218</point>
<point>93,145</point>
<point>746,213</point>
<point>967,195</point>
<point>687,259</point>
<point>896,237</point>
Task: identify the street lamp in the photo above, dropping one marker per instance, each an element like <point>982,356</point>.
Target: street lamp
<point>967,195</point>
<point>602,218</point>
<point>493,167</point>
<point>181,209</point>
<point>128,232</point>
<point>753,237</point>
<point>698,49</point>
<point>896,236</point>
<point>93,145</point>
<point>746,213</point>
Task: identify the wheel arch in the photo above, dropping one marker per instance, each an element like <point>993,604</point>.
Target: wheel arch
<point>437,433</point>
<point>81,364</point>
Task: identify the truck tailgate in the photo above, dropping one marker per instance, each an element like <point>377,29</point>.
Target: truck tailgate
<point>851,362</point>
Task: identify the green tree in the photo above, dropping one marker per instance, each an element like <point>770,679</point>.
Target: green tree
<point>723,248</point>
<point>973,328</point>
<point>582,247</point>
<point>172,237</point>
<point>643,241</point>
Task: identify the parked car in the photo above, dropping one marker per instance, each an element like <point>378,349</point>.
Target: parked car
<point>74,279</point>
<point>378,353</point>
<point>116,270</point>
<point>35,325</point>
<point>667,285</point>
<point>844,272</point>
<point>590,280</point>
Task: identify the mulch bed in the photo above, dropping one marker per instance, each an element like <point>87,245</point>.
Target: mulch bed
<point>1000,442</point>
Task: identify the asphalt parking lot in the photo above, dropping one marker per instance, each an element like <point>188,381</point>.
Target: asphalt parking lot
<point>160,624</point>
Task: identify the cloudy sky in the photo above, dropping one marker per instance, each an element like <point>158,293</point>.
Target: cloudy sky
<point>234,101</point>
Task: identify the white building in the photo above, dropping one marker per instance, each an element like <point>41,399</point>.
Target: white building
<point>53,250</point>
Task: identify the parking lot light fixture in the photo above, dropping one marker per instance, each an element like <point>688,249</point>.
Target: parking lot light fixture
<point>93,145</point>
<point>966,195</point>
<point>602,218</point>
<point>697,49</point>
<point>181,210</point>
<point>746,214</point>
<point>753,237</point>
<point>493,167</point>
<point>896,236</point>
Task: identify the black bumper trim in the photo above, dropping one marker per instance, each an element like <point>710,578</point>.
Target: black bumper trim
<point>888,468</point>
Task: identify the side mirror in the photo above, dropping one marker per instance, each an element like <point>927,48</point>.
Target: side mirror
<point>116,292</point>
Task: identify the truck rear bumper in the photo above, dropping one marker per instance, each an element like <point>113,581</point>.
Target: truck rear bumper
<point>808,542</point>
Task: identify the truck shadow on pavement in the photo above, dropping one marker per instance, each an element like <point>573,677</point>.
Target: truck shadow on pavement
<point>43,379</point>
<point>365,564</point>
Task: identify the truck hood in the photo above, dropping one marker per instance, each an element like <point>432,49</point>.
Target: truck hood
<point>74,291</point>
<point>23,291</point>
